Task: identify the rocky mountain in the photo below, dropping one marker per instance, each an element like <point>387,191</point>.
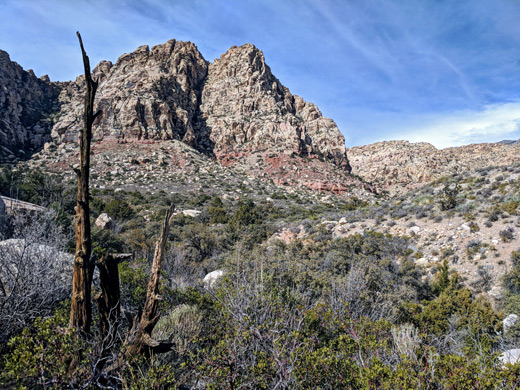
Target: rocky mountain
<point>147,94</point>
<point>398,166</point>
<point>230,107</point>
<point>27,106</point>
<point>247,108</point>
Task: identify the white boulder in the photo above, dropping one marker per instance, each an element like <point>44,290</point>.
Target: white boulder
<point>211,278</point>
<point>104,221</point>
<point>511,356</point>
<point>509,321</point>
<point>191,213</point>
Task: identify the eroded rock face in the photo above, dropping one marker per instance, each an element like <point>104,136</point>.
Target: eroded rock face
<point>234,105</point>
<point>145,95</point>
<point>26,107</point>
<point>245,107</point>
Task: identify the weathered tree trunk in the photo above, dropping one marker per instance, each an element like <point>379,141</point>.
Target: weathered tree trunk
<point>140,335</point>
<point>108,300</point>
<point>81,306</point>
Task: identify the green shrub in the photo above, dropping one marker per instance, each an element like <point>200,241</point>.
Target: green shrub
<point>119,208</point>
<point>246,214</point>
<point>216,211</point>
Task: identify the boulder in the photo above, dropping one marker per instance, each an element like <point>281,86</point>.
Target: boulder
<point>211,278</point>
<point>191,213</point>
<point>104,222</point>
<point>509,321</point>
<point>510,356</point>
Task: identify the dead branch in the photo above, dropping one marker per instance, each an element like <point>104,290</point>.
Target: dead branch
<point>141,340</point>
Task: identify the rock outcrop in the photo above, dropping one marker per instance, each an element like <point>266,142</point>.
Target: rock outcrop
<point>27,104</point>
<point>401,165</point>
<point>146,95</point>
<point>233,105</point>
<point>245,108</point>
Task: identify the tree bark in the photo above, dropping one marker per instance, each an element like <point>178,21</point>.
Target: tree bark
<point>108,300</point>
<point>140,334</point>
<point>81,306</point>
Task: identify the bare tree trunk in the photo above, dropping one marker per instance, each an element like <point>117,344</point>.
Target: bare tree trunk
<point>81,306</point>
<point>108,300</point>
<point>141,340</point>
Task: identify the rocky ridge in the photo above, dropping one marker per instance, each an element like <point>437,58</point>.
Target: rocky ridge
<point>147,94</point>
<point>231,106</point>
<point>398,166</point>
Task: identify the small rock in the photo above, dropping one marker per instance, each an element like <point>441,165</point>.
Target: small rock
<point>211,278</point>
<point>509,321</point>
<point>104,221</point>
<point>414,229</point>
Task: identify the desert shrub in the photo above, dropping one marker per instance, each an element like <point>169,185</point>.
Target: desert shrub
<point>507,234</point>
<point>246,214</point>
<point>448,199</point>
<point>474,227</point>
<point>133,279</point>
<point>104,240</point>
<point>216,211</point>
<point>32,185</point>
<point>199,241</point>
<point>474,314</point>
<point>41,355</point>
<point>119,208</point>
<point>511,280</point>
<point>180,326</point>
<point>34,271</point>
<point>510,207</point>
<point>473,247</point>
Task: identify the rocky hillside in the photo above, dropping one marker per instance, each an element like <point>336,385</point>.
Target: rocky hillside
<point>398,166</point>
<point>27,104</point>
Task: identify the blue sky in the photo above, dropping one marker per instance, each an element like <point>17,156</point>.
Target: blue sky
<point>440,71</point>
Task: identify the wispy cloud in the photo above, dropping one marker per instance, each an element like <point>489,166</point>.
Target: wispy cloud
<point>494,123</point>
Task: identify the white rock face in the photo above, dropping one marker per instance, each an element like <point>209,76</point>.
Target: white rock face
<point>104,221</point>
<point>509,321</point>
<point>211,278</point>
<point>510,356</point>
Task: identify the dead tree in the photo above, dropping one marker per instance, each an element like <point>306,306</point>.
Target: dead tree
<point>108,300</point>
<point>81,306</point>
<point>140,340</point>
